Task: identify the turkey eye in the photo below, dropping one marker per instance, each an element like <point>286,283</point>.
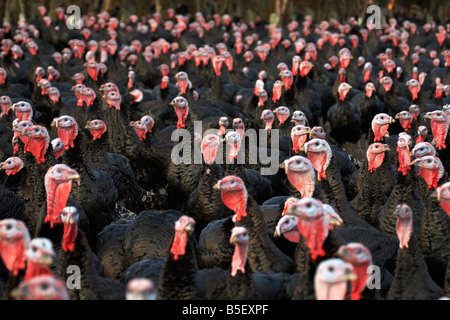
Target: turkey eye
<point>34,249</point>
<point>331,269</point>
<point>44,286</point>
<point>8,227</point>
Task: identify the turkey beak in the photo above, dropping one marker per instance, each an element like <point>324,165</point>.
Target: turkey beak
<point>75,176</point>
<point>217,186</point>
<point>436,194</point>
<point>350,275</point>
<point>416,162</point>
<point>386,148</point>
<point>2,165</point>
<point>397,116</point>
<point>392,120</point>
<point>427,115</point>
<point>281,166</point>
<point>189,227</point>
<point>88,126</point>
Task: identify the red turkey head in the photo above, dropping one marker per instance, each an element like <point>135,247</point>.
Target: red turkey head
<point>88,96</point>
<point>389,65</point>
<point>404,225</point>
<point>67,130</point>
<point>277,90</point>
<point>44,287</point>
<point>182,81</point>
<point>386,82</point>
<point>299,118</point>
<point>77,89</point>
<point>3,75</point>
<point>210,144</point>
<point>268,117</point>
<point>431,170</point>
<point>148,122</point>
<point>404,143</point>
<point>217,62</point>
<point>53,94</point>
<point>443,196</point>
<point>415,111</point>
<point>39,73</point>
<point>305,68</point>
<point>140,289</point>
<point>287,227</point>
<point>12,165</point>
<point>370,89</point>
<point>343,90</point>
<point>96,127</point>
<point>58,147</point>
<point>317,132</point>
<point>184,227</point>
<point>439,90</point>
<point>234,195</point>
<point>69,218</point>
<point>23,110</point>
<point>360,257</point>
<point>14,239</point>
<point>287,78</point>
<point>344,59</point>
<point>58,185</point>
<point>240,239</point>
<point>5,105</point>
<point>330,280</point>
<point>299,134</point>
<point>296,61</point>
<point>92,70</point>
<point>181,107</point>
<point>287,204</point>
<point>223,125</point>
<point>312,223</point>
<point>39,255</point>
<point>113,99</point>
<point>375,155</point>
<point>422,149</point>
<point>18,127</point>
<point>414,88</point>
<point>405,119</point>
<point>140,129</point>
<point>439,123</point>
<point>300,173</point>
<point>239,126</point>
<point>233,139</point>
<point>37,142</point>
<point>319,153</point>
<point>380,125</point>
<point>108,87</point>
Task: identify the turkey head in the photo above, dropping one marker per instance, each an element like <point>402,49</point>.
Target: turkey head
<point>439,123</point>
<point>360,257</point>
<point>58,185</point>
<point>312,223</point>
<point>299,118</point>
<point>319,153</point>
<point>404,143</point>
<point>431,170</point>
<point>39,255</point>
<point>239,238</point>
<point>148,122</point>
<point>139,128</point>
<point>113,99</point>
<point>375,155</point>
<point>443,196</point>
<point>268,117</point>
<point>45,287</point>
<point>12,165</point>
<point>58,147</point>
<point>14,239</point>
<point>423,149</point>
<point>300,173</point>
<point>380,125</point>
<point>210,144</point>
<point>96,127</point>
<point>287,227</point>
<point>67,128</point>
<point>69,218</point>
<point>23,110</point>
<point>5,105</point>
<point>404,224</point>
<point>282,113</point>
<point>181,107</point>
<point>37,142</point>
<point>330,280</point>
<point>183,228</point>
<point>405,119</point>
<point>233,139</point>
<point>234,195</point>
<point>223,125</point>
<point>299,134</point>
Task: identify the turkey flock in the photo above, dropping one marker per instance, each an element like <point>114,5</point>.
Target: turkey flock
<point>95,206</point>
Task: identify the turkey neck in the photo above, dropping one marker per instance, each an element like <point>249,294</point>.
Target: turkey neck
<point>331,190</point>
<point>77,157</point>
<point>405,191</point>
<point>97,149</point>
<point>370,197</point>
<point>435,232</point>
<point>177,281</point>
<point>263,254</point>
